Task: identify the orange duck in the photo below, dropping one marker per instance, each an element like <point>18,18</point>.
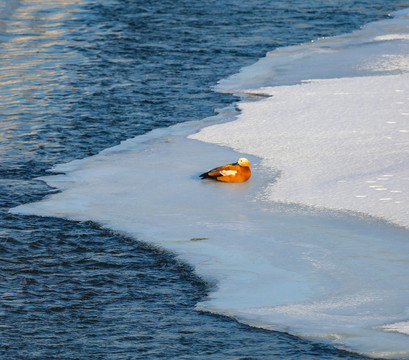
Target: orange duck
<point>236,172</point>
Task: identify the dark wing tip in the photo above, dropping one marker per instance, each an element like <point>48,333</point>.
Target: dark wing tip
<point>212,175</point>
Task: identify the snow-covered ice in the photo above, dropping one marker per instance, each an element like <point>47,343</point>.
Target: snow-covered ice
<point>339,143</point>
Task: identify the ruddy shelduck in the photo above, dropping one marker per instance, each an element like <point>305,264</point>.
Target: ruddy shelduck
<point>236,172</point>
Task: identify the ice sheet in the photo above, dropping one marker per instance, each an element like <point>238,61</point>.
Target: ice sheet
<point>325,275</point>
<point>340,142</point>
<point>380,48</point>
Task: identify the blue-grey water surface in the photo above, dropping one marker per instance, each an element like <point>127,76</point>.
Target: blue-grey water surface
<point>78,76</point>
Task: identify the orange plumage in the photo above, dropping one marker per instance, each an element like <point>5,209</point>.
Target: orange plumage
<point>236,172</point>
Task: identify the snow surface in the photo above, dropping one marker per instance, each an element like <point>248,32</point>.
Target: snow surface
<point>339,143</point>
<point>279,257</point>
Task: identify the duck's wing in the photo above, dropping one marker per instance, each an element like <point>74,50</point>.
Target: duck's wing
<point>226,170</point>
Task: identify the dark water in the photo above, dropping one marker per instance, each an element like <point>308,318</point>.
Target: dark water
<point>80,76</point>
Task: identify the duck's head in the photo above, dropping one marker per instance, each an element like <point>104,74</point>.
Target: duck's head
<point>243,162</point>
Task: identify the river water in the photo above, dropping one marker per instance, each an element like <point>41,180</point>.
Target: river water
<point>77,77</point>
